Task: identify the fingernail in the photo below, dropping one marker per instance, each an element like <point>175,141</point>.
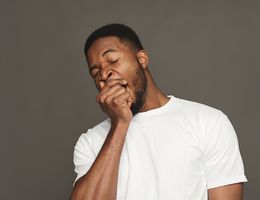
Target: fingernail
<point>102,84</point>
<point>124,82</point>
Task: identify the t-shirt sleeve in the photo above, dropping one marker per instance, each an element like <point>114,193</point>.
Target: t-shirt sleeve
<point>223,162</point>
<point>84,155</point>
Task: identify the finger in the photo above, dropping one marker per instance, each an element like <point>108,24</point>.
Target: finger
<point>110,83</point>
<point>125,98</point>
<point>103,96</point>
<point>115,95</point>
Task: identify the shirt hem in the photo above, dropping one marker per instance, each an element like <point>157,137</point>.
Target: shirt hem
<point>232,180</point>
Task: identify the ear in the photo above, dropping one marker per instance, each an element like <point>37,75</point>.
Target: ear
<point>143,58</point>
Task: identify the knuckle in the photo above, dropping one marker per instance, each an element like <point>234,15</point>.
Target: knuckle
<point>107,101</point>
<point>102,99</point>
<point>115,100</point>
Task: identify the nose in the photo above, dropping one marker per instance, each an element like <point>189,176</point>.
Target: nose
<point>105,74</point>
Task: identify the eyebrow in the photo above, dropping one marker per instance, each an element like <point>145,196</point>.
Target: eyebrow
<point>108,51</point>
<point>103,54</point>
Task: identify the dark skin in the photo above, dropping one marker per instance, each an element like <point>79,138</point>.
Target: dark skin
<point>115,69</point>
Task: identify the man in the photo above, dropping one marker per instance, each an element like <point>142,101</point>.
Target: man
<point>152,146</point>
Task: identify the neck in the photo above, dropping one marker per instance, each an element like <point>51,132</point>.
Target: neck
<point>154,98</point>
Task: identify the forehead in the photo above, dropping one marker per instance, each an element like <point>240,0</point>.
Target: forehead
<point>103,44</point>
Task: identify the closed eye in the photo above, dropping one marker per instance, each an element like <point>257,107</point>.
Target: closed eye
<point>95,74</point>
<point>113,61</point>
<point>94,71</point>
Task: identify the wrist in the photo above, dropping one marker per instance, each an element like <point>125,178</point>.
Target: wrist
<point>117,133</point>
<point>120,124</point>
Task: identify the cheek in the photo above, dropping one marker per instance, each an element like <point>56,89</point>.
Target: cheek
<point>129,75</point>
<point>128,70</point>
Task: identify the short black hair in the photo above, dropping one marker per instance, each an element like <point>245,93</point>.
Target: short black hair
<point>124,33</point>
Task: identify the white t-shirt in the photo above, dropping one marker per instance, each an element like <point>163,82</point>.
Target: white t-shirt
<point>177,151</point>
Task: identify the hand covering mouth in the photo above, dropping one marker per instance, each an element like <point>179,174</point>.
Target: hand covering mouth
<point>125,85</point>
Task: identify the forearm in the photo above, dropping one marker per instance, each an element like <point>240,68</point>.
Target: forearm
<point>100,182</point>
<point>227,192</point>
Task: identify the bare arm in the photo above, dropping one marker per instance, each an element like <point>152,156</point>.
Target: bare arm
<point>100,182</point>
<point>227,192</point>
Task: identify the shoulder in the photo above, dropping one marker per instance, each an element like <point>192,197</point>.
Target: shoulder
<point>202,120</point>
<point>199,112</point>
<point>94,135</point>
<point>197,107</point>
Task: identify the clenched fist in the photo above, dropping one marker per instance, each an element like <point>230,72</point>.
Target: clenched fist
<point>115,100</point>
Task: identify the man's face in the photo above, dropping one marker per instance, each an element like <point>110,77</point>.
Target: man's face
<point>108,58</point>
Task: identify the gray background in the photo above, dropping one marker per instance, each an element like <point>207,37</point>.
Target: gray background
<point>205,51</point>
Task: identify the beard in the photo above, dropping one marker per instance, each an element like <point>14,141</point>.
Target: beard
<point>141,84</point>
